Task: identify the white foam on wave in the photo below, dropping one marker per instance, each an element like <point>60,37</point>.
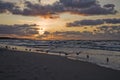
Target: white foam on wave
<point>19,48</point>
<point>110,59</point>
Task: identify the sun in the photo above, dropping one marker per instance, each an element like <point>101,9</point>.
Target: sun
<point>43,25</point>
<point>41,31</point>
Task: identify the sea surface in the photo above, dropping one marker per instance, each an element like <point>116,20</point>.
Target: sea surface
<point>110,45</point>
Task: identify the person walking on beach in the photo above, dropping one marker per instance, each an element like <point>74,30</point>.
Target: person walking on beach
<point>6,47</point>
<point>87,56</point>
<point>107,59</point>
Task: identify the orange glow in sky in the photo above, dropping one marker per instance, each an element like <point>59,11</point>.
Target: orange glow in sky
<point>51,19</point>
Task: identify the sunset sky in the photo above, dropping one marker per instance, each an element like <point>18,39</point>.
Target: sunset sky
<point>60,19</point>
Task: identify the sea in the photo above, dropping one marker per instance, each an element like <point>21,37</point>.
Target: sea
<point>110,45</point>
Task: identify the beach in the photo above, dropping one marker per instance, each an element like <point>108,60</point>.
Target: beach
<point>19,65</point>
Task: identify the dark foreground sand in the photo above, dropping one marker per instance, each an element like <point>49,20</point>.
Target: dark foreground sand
<point>16,65</point>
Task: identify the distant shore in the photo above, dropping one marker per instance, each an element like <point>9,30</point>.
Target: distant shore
<point>17,65</point>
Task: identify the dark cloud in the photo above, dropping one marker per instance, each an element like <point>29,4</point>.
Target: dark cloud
<point>93,22</point>
<point>109,32</point>
<point>66,33</point>
<point>87,35</point>
<point>109,29</point>
<point>98,10</point>
<point>75,35</point>
<point>78,3</point>
<point>85,22</point>
<point>46,33</point>
<point>29,9</point>
<point>4,6</point>
<point>88,7</point>
<point>109,6</point>
<point>112,21</point>
<point>43,36</point>
<point>101,33</point>
<point>19,30</point>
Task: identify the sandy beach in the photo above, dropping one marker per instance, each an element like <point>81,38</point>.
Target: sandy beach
<point>18,65</point>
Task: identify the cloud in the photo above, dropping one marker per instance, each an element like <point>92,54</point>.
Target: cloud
<point>25,30</point>
<point>88,7</point>
<point>85,23</point>
<point>74,35</point>
<point>109,6</point>
<point>82,23</point>
<point>100,33</point>
<point>112,21</point>
<point>109,29</point>
<point>98,10</point>
<point>108,32</point>
<point>44,36</point>
<point>19,30</point>
<point>4,6</point>
<point>78,3</point>
<point>65,35</point>
<point>31,9</point>
<point>46,33</point>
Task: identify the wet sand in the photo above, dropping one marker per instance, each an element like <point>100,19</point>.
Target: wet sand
<point>17,65</point>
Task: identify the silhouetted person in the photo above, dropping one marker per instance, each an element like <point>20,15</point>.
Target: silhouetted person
<point>6,47</point>
<point>107,60</point>
<point>12,48</point>
<point>15,48</point>
<point>77,53</point>
<point>29,49</point>
<point>47,51</point>
<point>66,54</point>
<point>59,53</point>
<point>87,56</point>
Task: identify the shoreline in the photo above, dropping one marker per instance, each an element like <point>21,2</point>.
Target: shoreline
<point>109,59</point>
<point>19,65</point>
